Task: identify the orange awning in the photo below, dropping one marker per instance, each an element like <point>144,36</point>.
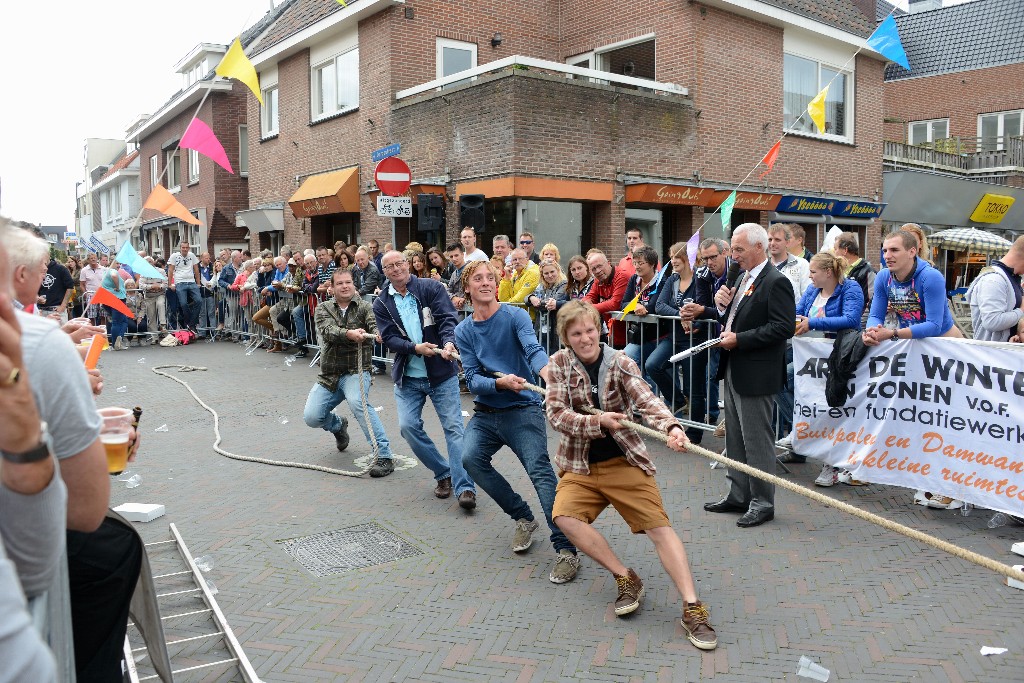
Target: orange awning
<point>659,193</point>
<point>538,188</point>
<point>334,192</point>
<point>758,201</point>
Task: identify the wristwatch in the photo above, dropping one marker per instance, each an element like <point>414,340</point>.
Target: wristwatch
<point>34,454</point>
<point>895,335</point>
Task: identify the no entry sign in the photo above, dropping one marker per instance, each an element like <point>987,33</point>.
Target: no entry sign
<point>392,176</point>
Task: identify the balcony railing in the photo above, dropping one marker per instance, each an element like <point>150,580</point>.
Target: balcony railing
<point>545,66</point>
<point>974,157</point>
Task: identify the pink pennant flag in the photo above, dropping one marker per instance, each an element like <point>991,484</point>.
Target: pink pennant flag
<point>199,137</point>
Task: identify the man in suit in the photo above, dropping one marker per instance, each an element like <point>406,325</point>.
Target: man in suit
<point>758,317</point>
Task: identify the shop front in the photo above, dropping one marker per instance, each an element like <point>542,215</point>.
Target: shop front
<point>816,215</point>
<point>330,204</point>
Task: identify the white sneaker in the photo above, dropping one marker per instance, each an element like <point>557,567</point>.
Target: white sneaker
<point>829,476</point>
<point>937,501</point>
<point>786,442</point>
<point>119,344</point>
<point>846,477</point>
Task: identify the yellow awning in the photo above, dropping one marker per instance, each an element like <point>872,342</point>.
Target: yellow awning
<point>334,192</point>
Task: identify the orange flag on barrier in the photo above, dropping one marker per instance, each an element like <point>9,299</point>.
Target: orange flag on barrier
<point>161,200</point>
<point>105,296</point>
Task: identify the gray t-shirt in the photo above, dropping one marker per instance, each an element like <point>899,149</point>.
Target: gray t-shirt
<point>60,385</point>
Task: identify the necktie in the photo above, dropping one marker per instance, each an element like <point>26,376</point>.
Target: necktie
<point>736,301</point>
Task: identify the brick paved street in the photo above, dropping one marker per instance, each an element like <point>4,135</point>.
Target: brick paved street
<point>864,603</point>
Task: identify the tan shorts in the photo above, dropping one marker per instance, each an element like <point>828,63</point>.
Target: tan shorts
<point>631,491</point>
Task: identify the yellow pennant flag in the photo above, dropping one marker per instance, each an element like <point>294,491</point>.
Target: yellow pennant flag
<point>816,109</point>
<point>630,307</point>
<point>161,200</point>
<point>236,65</point>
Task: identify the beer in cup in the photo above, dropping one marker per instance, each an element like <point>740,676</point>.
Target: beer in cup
<point>115,433</point>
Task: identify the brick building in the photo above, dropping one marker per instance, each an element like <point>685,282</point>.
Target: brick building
<point>954,123</point>
<point>574,119</point>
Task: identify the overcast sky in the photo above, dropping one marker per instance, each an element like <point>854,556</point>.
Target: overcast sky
<point>75,70</point>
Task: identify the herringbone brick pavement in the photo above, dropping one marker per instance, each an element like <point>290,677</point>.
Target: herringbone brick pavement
<point>866,604</point>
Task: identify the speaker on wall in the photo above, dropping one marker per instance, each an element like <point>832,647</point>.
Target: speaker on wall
<point>431,212</point>
<point>471,212</point>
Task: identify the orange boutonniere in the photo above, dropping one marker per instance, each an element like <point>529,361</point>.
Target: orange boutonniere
<point>750,290</point>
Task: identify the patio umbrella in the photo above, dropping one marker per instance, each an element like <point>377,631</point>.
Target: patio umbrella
<point>970,239</point>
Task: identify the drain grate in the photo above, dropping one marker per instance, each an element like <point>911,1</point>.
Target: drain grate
<point>354,547</point>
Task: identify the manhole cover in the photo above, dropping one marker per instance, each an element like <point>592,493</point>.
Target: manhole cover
<point>335,552</point>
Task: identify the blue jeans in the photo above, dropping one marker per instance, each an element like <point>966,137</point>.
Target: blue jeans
<point>320,405</point>
<point>665,374</point>
<point>410,398</point>
<point>523,431</point>
<point>639,353</point>
<point>299,318</point>
<point>189,301</point>
<point>207,314</point>
<point>118,324</point>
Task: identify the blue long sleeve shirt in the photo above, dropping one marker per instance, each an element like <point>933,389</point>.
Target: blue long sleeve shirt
<point>506,343</point>
<point>919,303</point>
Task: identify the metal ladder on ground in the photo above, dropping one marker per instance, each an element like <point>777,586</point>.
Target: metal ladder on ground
<point>198,635</point>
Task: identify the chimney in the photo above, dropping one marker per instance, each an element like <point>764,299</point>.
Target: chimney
<point>924,5</point>
<point>867,8</point>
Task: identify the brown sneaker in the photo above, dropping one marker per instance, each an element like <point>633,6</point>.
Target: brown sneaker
<point>698,630</point>
<point>720,429</point>
<point>443,488</point>
<point>631,592</point>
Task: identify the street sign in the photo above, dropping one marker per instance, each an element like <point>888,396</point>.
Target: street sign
<point>70,236</point>
<point>395,207</point>
<point>385,152</point>
<point>392,176</point>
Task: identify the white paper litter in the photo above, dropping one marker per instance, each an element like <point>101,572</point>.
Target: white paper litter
<point>986,650</point>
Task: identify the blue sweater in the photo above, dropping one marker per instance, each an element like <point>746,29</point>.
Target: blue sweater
<point>920,303</point>
<point>842,310</point>
<point>504,343</point>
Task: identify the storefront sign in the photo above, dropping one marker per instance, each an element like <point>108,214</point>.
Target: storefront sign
<point>794,204</point>
<point>992,208</point>
<point>317,207</point>
<point>750,201</point>
<point>652,193</point>
<point>857,209</point>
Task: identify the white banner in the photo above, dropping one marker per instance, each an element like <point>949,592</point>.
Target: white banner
<point>942,415</point>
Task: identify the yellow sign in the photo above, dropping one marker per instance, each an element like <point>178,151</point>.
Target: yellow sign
<point>992,208</point>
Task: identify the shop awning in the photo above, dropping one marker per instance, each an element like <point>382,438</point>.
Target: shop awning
<point>916,197</point>
<point>539,188</point>
<point>260,220</point>
<point>334,192</point>
<point>663,193</point>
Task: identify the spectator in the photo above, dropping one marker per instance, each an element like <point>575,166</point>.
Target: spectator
<point>29,256</point>
<point>185,268</point>
<point>74,266</point>
<point>244,285</point>
<point>56,290</point>
<point>505,413</point>
<point>228,274</point>
<point>416,322</point>
<point>758,319</point>
<point>345,371</point>
<point>704,366</point>
<point>795,245</point>
<point>518,281</point>
<point>339,246</point>
<point>602,463</point>
<point>273,283</point>
<point>114,281</point>
<point>440,269</point>
<point>91,277</point>
<point>860,271</point>
<point>995,297</point>
<point>643,338</point>
<point>527,244</point>
<point>580,279</point>
<point>456,257</point>
<point>606,294</point>
<point>924,252</point>
<point>137,327</point>
<point>373,247</point>
<point>549,252</point>
<point>634,240</point>
<point>675,289</point>
<point>365,275</point>
<point>207,321</point>
<point>793,267</point>
<point>342,260</point>
<point>502,247</point>
<point>468,239</point>
<point>418,265</point>
<point>323,271</point>
<point>546,299</point>
<point>305,310</point>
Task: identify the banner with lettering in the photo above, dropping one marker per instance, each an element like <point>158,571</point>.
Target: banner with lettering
<point>942,415</point>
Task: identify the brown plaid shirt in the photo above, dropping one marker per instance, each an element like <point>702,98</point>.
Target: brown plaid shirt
<point>338,354</point>
<point>569,387</point>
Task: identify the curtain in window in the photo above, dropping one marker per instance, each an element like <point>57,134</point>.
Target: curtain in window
<point>800,85</point>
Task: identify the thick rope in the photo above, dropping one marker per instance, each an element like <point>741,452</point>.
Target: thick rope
<point>909,532</point>
<point>280,463</point>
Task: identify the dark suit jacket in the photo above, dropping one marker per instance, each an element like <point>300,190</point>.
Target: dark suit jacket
<point>764,321</point>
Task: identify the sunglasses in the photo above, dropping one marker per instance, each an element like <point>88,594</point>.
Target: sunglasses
<point>525,241</point>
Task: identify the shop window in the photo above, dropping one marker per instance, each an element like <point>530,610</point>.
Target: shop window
<point>560,223</point>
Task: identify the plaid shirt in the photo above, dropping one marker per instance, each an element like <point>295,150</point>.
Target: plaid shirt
<point>622,391</point>
<point>338,354</point>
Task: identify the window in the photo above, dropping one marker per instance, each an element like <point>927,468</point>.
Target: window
<point>803,79</point>
<point>336,85</point>
<point>193,166</point>
<point>995,130</point>
<point>924,132</point>
<point>112,204</point>
<point>195,73</point>
<point>268,113</point>
<point>454,56</point>
<point>243,150</point>
<point>154,171</point>
<point>174,170</point>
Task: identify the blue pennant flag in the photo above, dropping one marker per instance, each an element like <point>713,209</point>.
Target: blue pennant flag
<point>886,42</point>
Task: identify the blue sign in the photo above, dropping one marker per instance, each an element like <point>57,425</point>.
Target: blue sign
<point>385,152</point>
<point>858,209</point>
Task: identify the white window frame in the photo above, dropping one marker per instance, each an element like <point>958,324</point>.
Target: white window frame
<point>930,137</point>
<point>598,58</point>
<point>1001,133</point>
<point>314,90</point>
<point>442,43</point>
<point>154,170</point>
<point>848,99</point>
<point>193,166</point>
<point>243,150</point>
<point>173,159</point>
<point>270,112</point>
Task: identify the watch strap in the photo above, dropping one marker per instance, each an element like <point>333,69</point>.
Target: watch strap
<point>34,454</point>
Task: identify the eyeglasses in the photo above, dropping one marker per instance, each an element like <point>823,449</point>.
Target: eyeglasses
<point>525,241</point>
<point>395,264</point>
<point>710,257</point>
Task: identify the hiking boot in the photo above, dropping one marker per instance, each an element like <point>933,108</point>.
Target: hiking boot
<point>341,436</point>
<point>631,592</point>
<point>566,566</point>
<point>467,500</point>
<point>698,629</point>
<point>443,488</point>
<point>382,468</point>
<point>720,430</point>
<point>523,538</point>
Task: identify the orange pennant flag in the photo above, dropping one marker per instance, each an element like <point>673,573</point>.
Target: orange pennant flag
<point>105,296</point>
<point>771,157</point>
<point>163,201</point>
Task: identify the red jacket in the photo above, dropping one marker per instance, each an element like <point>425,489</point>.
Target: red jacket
<point>607,298</point>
